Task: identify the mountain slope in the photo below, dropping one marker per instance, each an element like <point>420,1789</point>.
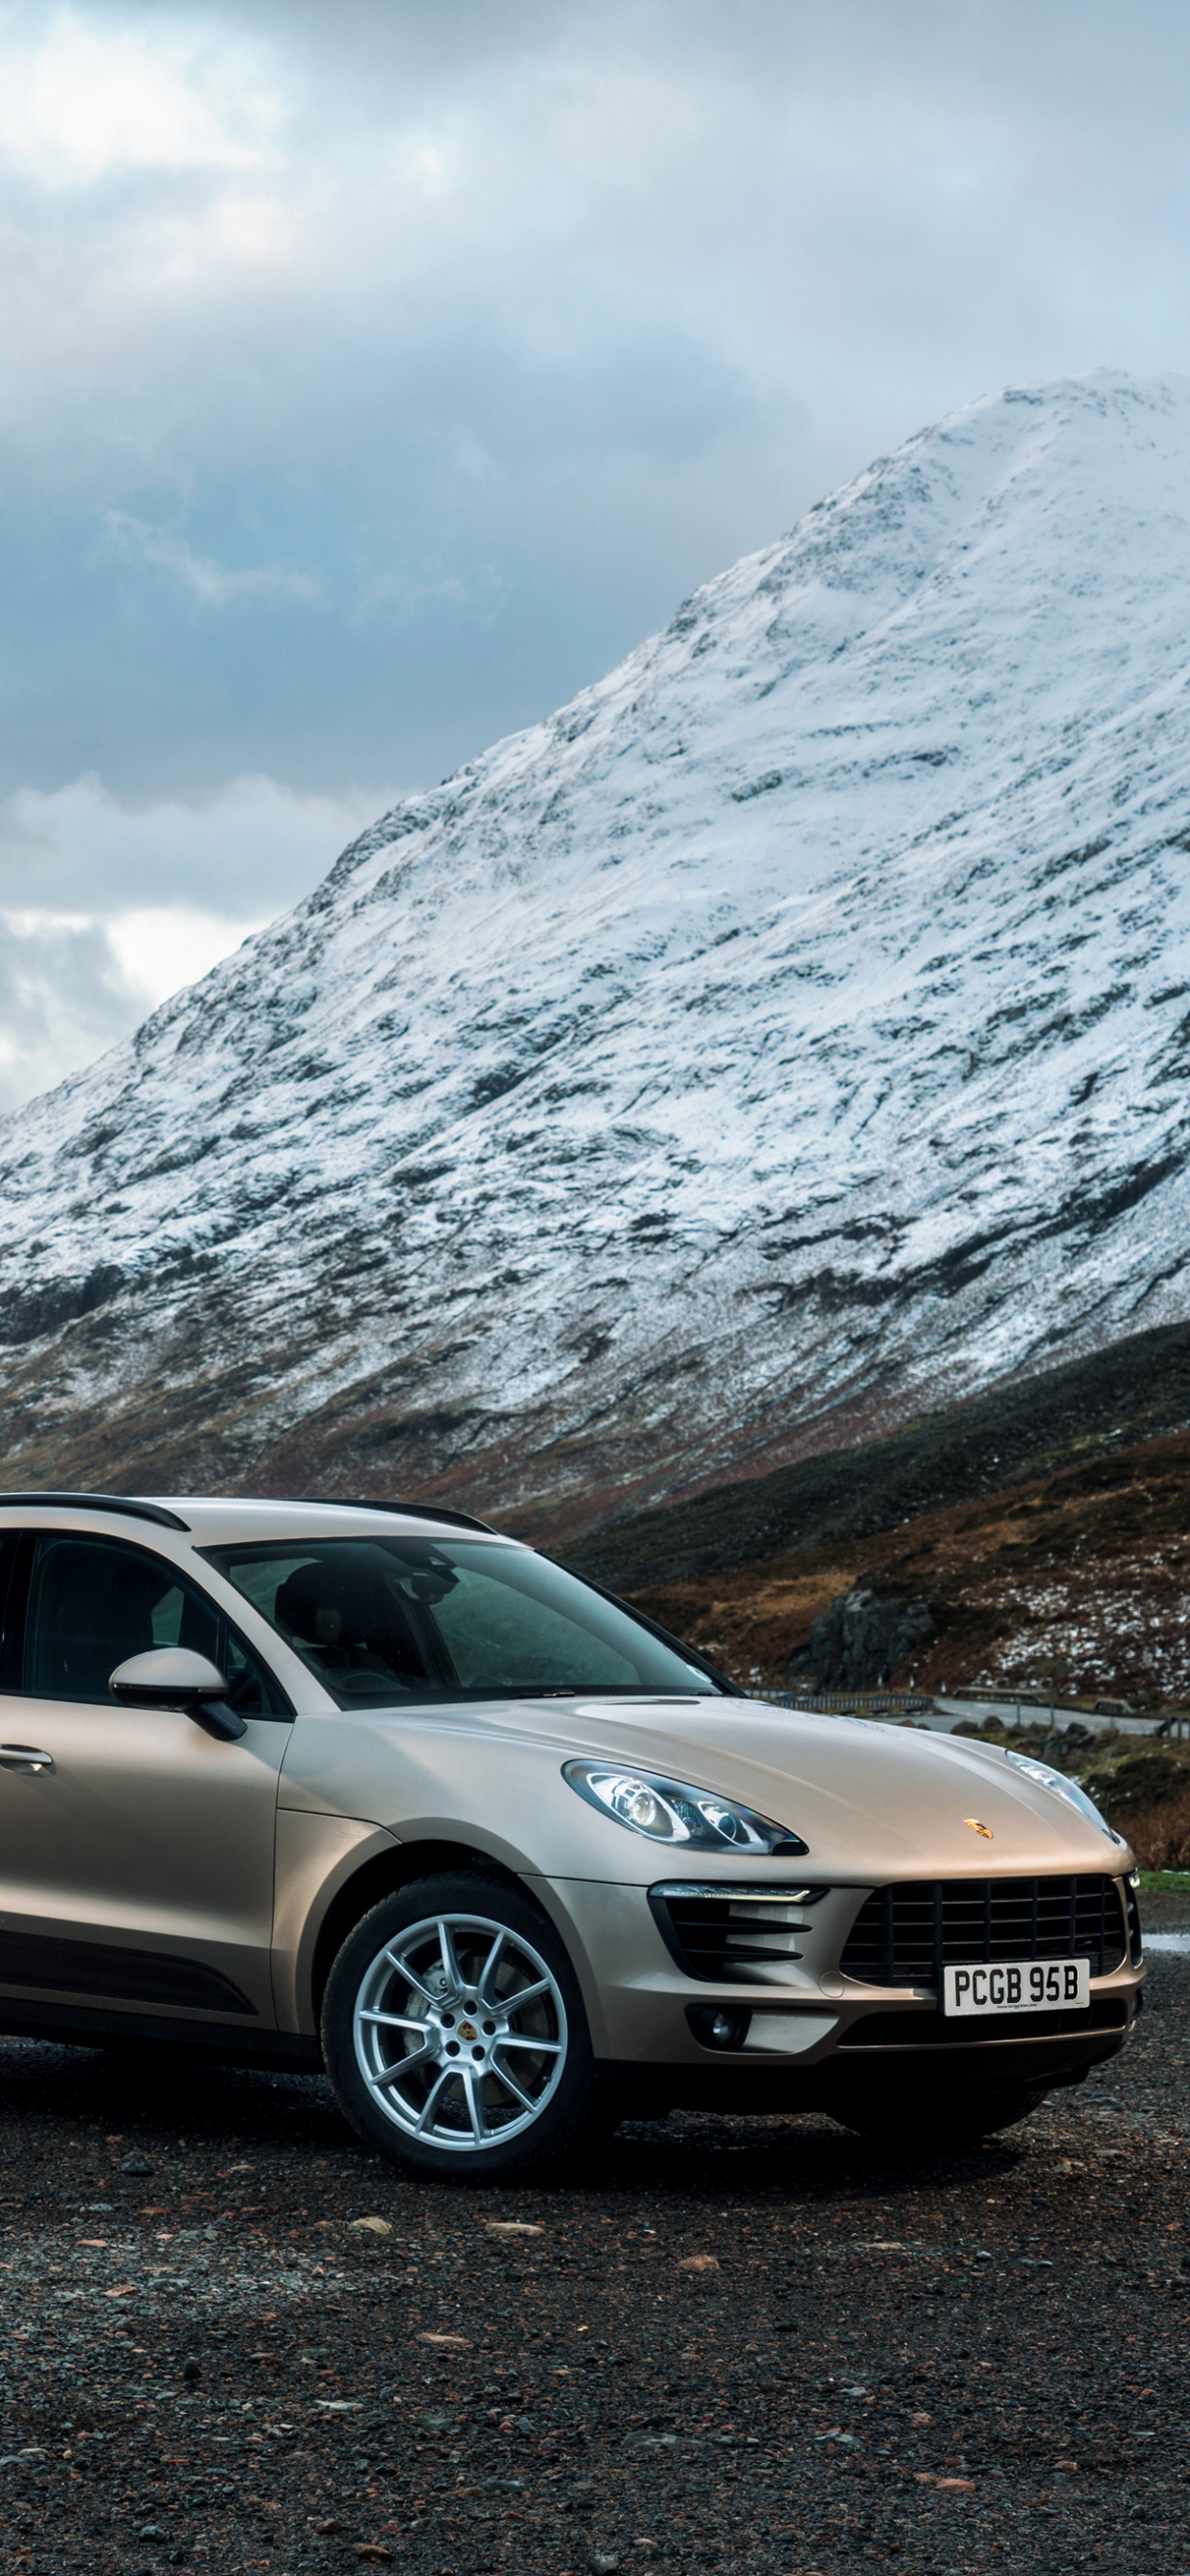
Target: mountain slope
<point>785,1039</point>
<point>1076,1423</point>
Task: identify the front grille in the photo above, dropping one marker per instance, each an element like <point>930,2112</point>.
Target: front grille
<point>938,2030</point>
<point>905,1936</point>
<point>733,1935</point>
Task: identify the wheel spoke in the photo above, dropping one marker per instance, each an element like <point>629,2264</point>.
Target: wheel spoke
<point>431,2099</point>
<point>475,2108</point>
<point>483,1989</point>
<point>514,2087</point>
<point>394,2021</point>
<point>450,1966</point>
<point>403,2066</point>
<point>404,1970</point>
<point>528,1995</point>
<point>544,2047</point>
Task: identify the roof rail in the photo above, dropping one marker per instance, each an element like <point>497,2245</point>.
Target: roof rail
<point>126,1503</point>
<point>411,1511</point>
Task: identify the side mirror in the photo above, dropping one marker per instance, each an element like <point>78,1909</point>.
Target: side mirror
<point>173,1677</point>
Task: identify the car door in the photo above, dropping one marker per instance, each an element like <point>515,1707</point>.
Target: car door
<point>136,1849</point>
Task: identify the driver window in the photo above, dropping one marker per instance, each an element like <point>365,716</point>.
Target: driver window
<point>93,1602</point>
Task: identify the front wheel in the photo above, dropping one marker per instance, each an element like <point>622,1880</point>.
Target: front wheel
<point>454,2032</point>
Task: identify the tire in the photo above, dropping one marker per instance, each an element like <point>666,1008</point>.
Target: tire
<point>475,2084</point>
<point>941,2126</point>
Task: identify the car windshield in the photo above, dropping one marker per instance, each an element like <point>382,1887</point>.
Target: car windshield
<point>380,1620</point>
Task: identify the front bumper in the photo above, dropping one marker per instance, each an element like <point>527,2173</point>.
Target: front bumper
<point>804,2032</point>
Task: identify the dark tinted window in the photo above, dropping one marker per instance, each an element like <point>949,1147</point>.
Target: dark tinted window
<point>389,1619</point>
<point>95,1601</point>
<point>12,1595</point>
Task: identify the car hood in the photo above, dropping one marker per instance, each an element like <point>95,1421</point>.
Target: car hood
<point>870,1801</point>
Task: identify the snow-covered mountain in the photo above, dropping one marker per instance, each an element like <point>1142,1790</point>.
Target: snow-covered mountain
<point>789,1036</point>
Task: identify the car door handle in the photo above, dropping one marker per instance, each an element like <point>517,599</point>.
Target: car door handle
<point>24,1757</point>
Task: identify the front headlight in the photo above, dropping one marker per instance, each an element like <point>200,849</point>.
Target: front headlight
<point>1064,1788</point>
<point>667,1811</point>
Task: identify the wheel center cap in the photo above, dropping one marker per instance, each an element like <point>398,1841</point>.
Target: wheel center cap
<point>467,2030</point>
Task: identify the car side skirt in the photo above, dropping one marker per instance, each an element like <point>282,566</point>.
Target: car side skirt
<point>74,2025</point>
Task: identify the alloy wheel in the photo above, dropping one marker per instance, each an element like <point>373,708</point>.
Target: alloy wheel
<point>460,2032</point>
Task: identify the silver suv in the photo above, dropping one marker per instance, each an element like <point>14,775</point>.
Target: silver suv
<point>377,1791</point>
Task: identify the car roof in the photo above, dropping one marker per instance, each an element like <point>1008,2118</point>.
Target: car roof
<point>210,1519</point>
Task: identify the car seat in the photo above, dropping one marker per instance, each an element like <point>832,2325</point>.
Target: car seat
<point>343,1613</point>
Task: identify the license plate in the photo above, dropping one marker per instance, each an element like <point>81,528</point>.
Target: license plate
<point>1019,1985</point>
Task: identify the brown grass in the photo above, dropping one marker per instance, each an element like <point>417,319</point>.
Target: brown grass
<point>1074,1582</point>
<point>1160,1836</point>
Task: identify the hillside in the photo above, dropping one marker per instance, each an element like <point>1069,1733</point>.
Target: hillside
<point>1074,1582</point>
<point>1045,1525</point>
<point>1090,1417</point>
<point>782,1042</point>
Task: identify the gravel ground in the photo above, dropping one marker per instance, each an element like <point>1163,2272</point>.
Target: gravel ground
<point>235,2339</point>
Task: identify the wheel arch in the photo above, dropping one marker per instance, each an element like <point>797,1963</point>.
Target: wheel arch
<point>383,1875</point>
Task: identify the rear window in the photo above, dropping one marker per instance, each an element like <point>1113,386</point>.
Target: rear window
<point>380,1620</point>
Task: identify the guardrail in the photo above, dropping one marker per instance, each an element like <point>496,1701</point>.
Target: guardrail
<point>1046,1701</point>
<point>851,1703</point>
<point>946,1708</point>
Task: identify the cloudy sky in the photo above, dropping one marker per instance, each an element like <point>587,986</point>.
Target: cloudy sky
<point>377,373</point>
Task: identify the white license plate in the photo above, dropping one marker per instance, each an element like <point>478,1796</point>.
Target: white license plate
<point>1019,1985</point>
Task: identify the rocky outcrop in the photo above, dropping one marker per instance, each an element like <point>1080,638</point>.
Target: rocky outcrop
<point>862,1641</point>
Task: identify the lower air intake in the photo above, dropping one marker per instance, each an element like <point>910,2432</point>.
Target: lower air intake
<point>737,1935</point>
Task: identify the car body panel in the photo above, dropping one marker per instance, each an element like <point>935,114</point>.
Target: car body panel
<point>871,1802</point>
<point>317,1856</point>
<point>147,1836</point>
<point>642,1996</point>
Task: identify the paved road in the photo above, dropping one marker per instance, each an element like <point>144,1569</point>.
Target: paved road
<point>740,2346</point>
<point>947,1714</point>
<point>941,1716</point>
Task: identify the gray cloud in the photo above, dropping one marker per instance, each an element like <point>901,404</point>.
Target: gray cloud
<point>519,320</point>
<point>105,907</point>
<point>242,853</point>
<point>63,999</point>
<point>376,376</point>
<point>214,584</point>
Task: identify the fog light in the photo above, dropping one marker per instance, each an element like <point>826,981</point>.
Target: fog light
<point>718,2025</point>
